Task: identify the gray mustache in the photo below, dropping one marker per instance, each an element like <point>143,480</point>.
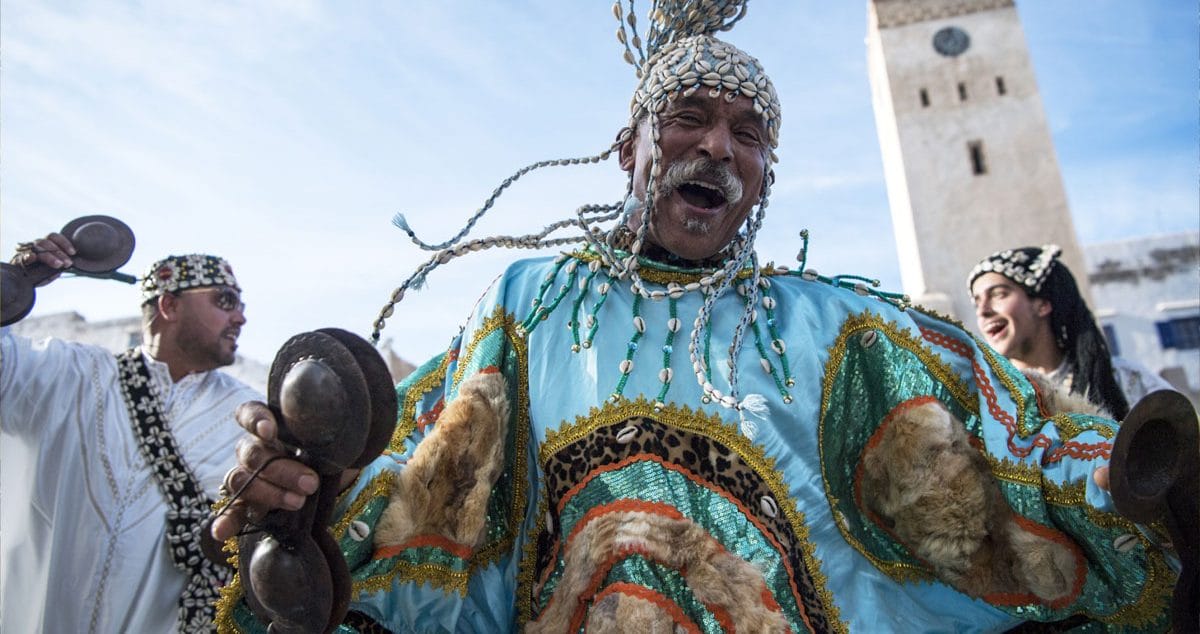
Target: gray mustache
<point>706,172</point>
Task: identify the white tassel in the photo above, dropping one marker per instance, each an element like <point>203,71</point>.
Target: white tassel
<point>755,404</point>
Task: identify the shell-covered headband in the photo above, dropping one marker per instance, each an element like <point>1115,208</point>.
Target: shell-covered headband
<point>680,57</point>
<point>1028,267</point>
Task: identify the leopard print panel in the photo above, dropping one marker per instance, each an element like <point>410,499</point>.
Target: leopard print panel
<point>703,458</point>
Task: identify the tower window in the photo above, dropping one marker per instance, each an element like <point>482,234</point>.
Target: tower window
<point>978,164</point>
<point>1000,88</point>
<point>924,98</point>
<point>962,91</point>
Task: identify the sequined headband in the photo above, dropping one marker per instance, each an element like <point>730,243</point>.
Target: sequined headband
<point>1027,266</point>
<point>180,272</point>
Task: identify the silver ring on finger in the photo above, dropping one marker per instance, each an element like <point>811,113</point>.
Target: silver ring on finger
<point>226,488</point>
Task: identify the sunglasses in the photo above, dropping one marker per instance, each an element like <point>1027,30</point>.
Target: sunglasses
<point>225,298</point>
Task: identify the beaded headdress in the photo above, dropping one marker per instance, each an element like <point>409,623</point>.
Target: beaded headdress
<point>678,56</point>
<point>1028,267</point>
<point>176,273</point>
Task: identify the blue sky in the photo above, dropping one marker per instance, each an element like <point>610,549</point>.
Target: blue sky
<point>285,134</point>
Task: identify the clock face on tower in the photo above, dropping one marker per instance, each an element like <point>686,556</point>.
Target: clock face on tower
<point>951,41</point>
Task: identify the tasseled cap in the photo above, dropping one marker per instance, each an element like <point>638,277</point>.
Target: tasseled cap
<point>682,56</point>
<point>176,273</point>
<point>1028,267</point>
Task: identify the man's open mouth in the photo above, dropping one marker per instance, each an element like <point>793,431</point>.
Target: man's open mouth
<point>993,328</point>
<point>701,195</point>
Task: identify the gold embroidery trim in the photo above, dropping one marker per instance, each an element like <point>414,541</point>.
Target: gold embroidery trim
<point>379,486</point>
<point>696,421</point>
<point>1068,428</point>
<point>407,422</point>
<point>1015,472</point>
<point>1154,599</point>
<point>437,576</point>
<point>231,594</point>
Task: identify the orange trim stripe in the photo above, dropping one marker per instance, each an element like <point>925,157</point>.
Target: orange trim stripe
<point>462,551</point>
<point>725,619</point>
<point>624,505</point>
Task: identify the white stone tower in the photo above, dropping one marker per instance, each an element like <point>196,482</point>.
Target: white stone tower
<point>967,155</point>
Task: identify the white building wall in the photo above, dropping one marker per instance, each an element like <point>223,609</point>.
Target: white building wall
<point>1139,282</point>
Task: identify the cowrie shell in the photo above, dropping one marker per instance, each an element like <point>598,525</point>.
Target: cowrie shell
<point>1125,543</point>
<point>769,506</point>
<point>627,434</point>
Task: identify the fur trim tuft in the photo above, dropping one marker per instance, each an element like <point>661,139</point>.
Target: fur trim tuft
<point>444,488</point>
<point>1057,399</point>
<point>936,494</point>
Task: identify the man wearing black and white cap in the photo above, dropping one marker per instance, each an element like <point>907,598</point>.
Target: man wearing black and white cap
<point>96,536</point>
<point>1029,309</point>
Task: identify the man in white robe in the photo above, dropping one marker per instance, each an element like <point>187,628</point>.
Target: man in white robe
<point>84,527</point>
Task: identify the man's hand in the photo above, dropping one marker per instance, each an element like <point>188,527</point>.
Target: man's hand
<point>1100,477</point>
<point>54,251</point>
<point>283,484</point>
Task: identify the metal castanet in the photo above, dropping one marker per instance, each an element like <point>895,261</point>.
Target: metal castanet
<point>333,397</point>
<point>102,245</point>
<point>1154,475</point>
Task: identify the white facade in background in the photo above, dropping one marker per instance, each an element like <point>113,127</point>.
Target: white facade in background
<point>967,154</point>
<point>119,335</point>
<point>1147,297</point>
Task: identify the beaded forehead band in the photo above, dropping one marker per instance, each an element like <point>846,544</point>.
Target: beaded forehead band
<point>1028,267</point>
